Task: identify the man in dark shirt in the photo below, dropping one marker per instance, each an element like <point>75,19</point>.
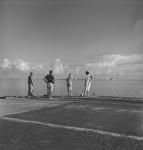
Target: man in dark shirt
<point>50,80</point>
<point>30,85</point>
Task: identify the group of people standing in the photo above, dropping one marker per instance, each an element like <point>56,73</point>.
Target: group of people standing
<point>50,81</point>
<point>87,84</point>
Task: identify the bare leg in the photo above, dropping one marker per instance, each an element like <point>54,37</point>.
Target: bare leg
<point>70,92</point>
<point>29,89</point>
<point>50,93</point>
<point>87,93</point>
<point>47,91</point>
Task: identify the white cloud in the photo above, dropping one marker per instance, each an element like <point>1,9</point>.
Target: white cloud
<point>105,65</point>
<point>114,64</point>
<point>113,60</point>
<point>6,64</point>
<point>37,67</point>
<point>58,67</point>
<point>22,65</point>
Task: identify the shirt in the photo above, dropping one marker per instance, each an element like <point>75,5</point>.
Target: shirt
<point>50,78</point>
<point>30,80</point>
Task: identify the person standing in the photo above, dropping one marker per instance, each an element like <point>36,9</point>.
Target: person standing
<point>50,80</point>
<point>69,84</point>
<point>30,84</point>
<point>87,83</point>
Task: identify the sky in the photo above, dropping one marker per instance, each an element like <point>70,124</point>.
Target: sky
<point>104,37</point>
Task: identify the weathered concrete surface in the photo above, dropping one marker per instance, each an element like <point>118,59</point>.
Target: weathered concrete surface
<point>12,105</point>
<point>17,105</point>
<point>76,123</point>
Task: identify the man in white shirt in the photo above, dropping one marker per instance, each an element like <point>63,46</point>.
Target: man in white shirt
<point>87,83</point>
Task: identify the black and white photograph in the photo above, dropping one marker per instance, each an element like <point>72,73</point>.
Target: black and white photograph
<point>71,74</point>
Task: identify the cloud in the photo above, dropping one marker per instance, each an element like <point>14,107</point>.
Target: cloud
<point>103,66</point>
<point>115,64</point>
<point>6,64</point>
<point>58,67</point>
<point>38,68</point>
<point>113,60</point>
<point>22,65</point>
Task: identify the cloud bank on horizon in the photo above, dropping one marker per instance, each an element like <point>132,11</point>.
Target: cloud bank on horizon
<point>107,65</point>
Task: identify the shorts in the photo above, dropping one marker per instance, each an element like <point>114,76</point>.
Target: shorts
<point>69,86</point>
<point>32,88</point>
<point>50,86</point>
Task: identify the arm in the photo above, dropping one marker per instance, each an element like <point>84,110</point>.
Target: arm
<point>67,79</point>
<point>53,80</point>
<point>91,77</point>
<point>30,80</point>
<point>45,79</point>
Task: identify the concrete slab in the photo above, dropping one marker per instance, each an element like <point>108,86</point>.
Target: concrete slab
<point>17,105</point>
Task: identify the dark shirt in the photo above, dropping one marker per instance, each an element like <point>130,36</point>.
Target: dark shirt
<point>50,78</point>
<point>30,80</point>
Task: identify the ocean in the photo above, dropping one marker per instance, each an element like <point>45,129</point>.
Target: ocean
<point>120,88</point>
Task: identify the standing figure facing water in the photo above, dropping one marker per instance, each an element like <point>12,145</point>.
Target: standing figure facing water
<point>30,85</point>
<point>87,83</point>
<point>50,80</point>
<point>69,84</point>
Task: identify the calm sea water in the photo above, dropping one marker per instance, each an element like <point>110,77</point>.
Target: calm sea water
<point>128,88</point>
